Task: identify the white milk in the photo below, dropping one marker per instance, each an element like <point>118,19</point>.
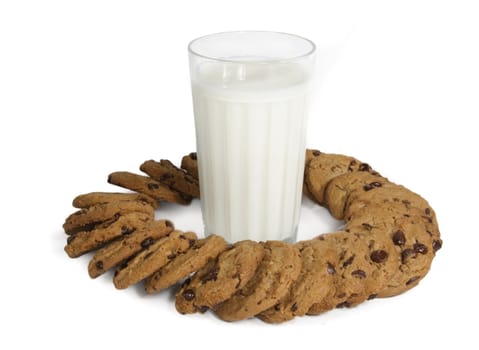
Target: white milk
<point>250,130</point>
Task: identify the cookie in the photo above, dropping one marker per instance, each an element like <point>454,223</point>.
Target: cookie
<point>323,168</point>
<point>220,278</point>
<point>194,259</point>
<point>310,154</point>
<point>148,186</point>
<point>86,219</point>
<point>414,242</point>
<point>354,278</point>
<point>313,284</point>
<point>387,193</point>
<point>167,173</point>
<point>341,187</point>
<point>276,273</point>
<point>153,258</point>
<point>190,164</point>
<point>83,242</point>
<point>89,199</point>
<point>123,249</point>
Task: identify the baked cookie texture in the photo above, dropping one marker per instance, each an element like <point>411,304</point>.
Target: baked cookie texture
<point>385,248</point>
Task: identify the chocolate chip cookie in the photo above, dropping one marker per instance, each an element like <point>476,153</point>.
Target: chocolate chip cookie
<point>276,273</point>
<point>153,258</point>
<point>148,186</point>
<point>167,173</point>
<point>315,281</point>
<point>183,265</point>
<point>89,199</point>
<point>341,187</point>
<point>220,278</point>
<point>123,249</point>
<point>190,164</point>
<point>87,219</point>
<point>82,242</point>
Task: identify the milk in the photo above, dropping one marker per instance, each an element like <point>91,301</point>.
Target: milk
<point>250,132</point>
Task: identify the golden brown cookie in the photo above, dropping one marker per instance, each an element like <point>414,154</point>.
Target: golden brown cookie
<point>123,249</point>
<point>89,199</point>
<point>341,187</point>
<point>167,173</point>
<point>312,285</point>
<point>153,258</point>
<point>87,219</point>
<point>82,242</point>
<point>190,164</point>
<point>194,259</point>
<point>220,278</point>
<point>148,186</point>
<point>276,273</point>
<point>323,168</point>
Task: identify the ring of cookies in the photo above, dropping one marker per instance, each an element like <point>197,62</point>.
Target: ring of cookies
<point>386,247</point>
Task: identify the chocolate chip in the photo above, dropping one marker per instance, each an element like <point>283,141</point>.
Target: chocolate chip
<point>166,176</point>
<point>202,309</point>
<point>316,152</point>
<point>171,256</point>
<point>349,261</point>
<point>379,256</point>
<point>399,238</point>
<point>368,187</point>
<point>351,165</point>
<point>420,248</point>
<point>125,230</point>
<point>343,304</point>
<point>294,307</point>
<point>99,265</point>
<point>188,295</point>
<point>341,295</point>
<point>212,275</point>
<point>367,226</point>
<point>193,156</point>
<point>191,242</point>
<point>331,269</point>
<point>168,223</point>
<point>406,254</point>
<point>365,167</point>
<point>152,186</point>
<point>412,280</point>
<point>372,296</point>
<point>359,274</point>
<point>147,242</point>
<point>436,245</point>
<point>427,211</point>
<point>186,282</point>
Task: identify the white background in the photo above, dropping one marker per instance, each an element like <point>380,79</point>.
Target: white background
<point>91,87</point>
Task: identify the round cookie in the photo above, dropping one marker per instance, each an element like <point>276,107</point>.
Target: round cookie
<point>83,242</point>
<point>341,187</point>
<point>89,199</point>
<point>183,265</point>
<point>411,235</point>
<point>220,278</point>
<point>153,258</point>
<point>355,277</point>
<point>276,273</point>
<point>324,167</point>
<point>121,250</point>
<point>86,219</point>
<point>312,285</point>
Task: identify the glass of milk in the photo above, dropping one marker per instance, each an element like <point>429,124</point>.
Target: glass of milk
<point>250,97</point>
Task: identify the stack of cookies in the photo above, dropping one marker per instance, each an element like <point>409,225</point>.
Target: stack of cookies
<point>387,246</point>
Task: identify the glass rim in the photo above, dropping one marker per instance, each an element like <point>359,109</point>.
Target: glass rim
<point>309,52</point>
